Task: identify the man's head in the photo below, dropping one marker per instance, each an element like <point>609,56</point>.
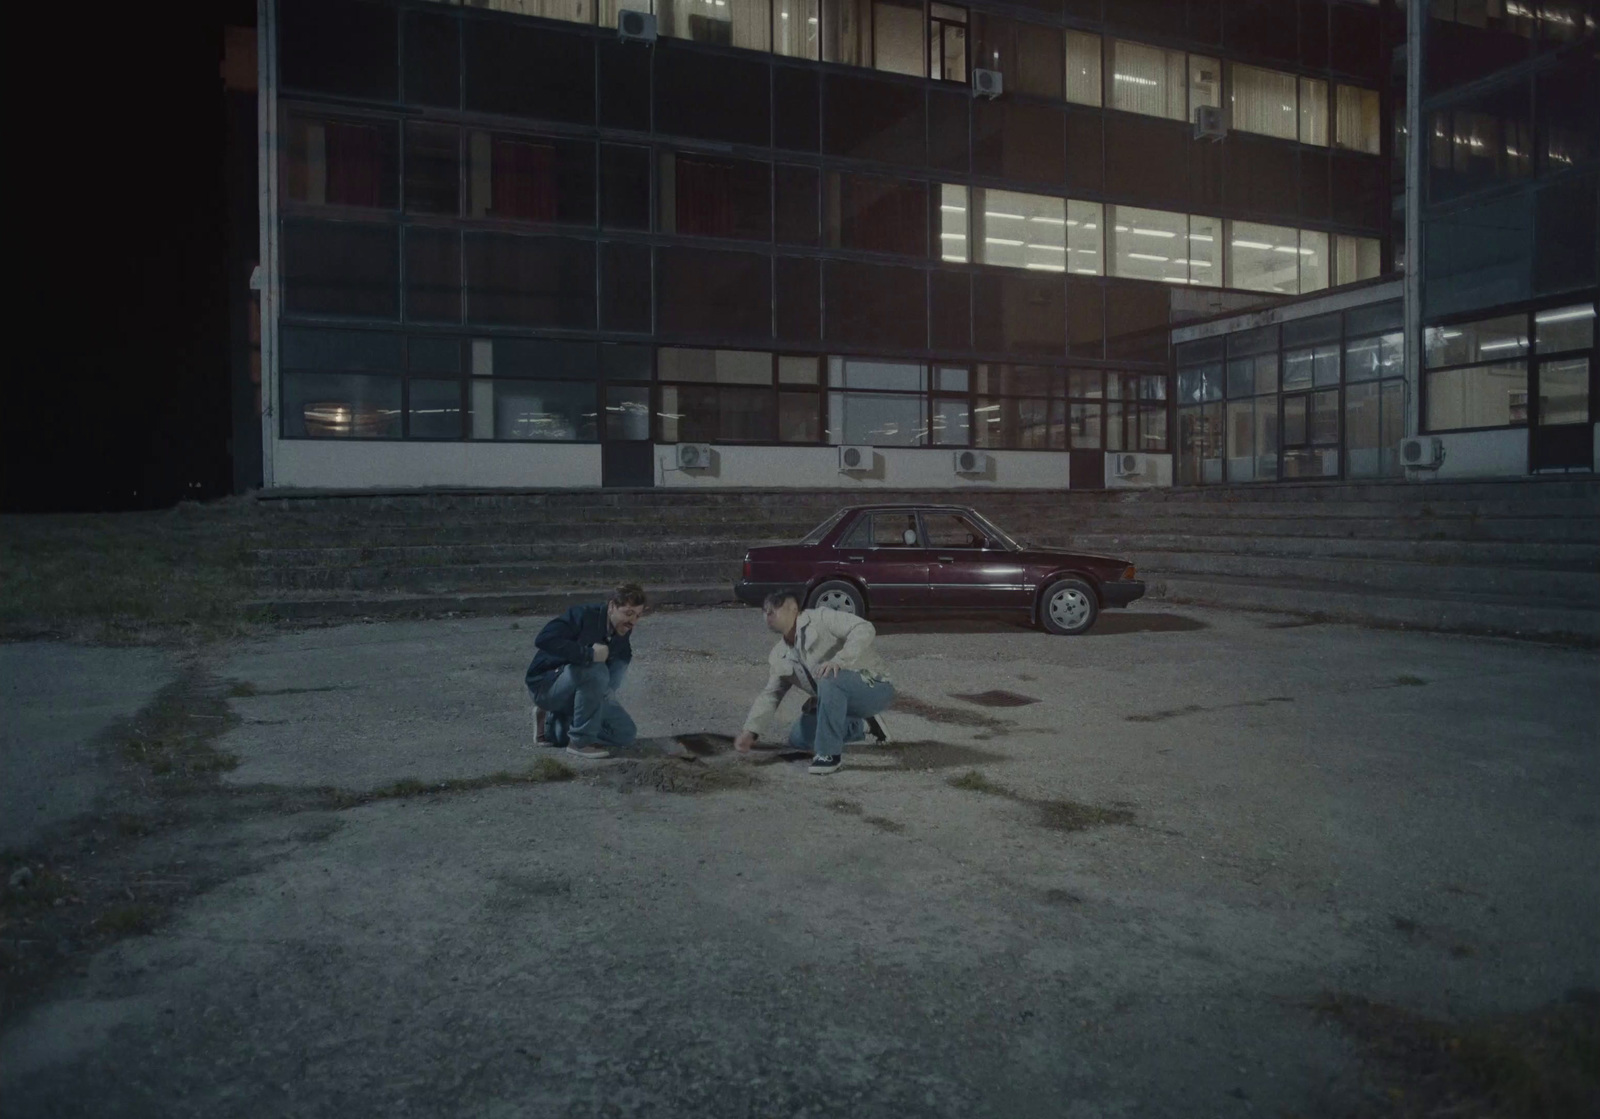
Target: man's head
<point>625,608</point>
<point>781,608</point>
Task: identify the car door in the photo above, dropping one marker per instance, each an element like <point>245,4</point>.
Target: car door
<point>883,550</point>
<point>964,574</point>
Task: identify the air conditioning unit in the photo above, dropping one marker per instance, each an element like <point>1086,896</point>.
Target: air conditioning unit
<point>1425,452</point>
<point>694,456</point>
<point>1210,123</point>
<point>854,458</point>
<point>636,27</point>
<point>987,83</point>
<point>971,462</point>
<point>1132,466</point>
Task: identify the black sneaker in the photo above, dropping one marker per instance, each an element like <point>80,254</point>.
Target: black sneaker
<point>825,763</point>
<point>877,729</point>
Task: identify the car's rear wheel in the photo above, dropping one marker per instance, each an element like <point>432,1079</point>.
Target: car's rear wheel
<point>1069,607</point>
<point>836,594</point>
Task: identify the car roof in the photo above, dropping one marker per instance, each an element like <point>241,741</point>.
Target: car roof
<point>905,505</point>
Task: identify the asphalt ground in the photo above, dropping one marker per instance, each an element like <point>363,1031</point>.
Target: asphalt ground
<point>1132,891</point>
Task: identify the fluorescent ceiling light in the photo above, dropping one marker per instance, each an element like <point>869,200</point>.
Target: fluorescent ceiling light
<point>1045,267</point>
<point>1047,248</point>
<point>1153,232</point>
<point>953,236</point>
<point>1251,245</point>
<point>1086,271</point>
<point>1566,314</point>
<point>1049,221</point>
<point>953,209</point>
<point>1513,344</point>
<point>1146,256</point>
<point>998,214</point>
<point>1002,241</point>
<point>1201,237</point>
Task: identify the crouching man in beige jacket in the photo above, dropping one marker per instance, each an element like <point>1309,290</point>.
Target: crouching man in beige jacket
<point>829,656</point>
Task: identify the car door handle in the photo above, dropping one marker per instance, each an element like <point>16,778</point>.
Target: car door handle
<point>947,559</point>
<point>855,559</point>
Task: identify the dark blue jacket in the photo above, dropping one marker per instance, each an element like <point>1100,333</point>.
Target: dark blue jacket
<point>571,638</point>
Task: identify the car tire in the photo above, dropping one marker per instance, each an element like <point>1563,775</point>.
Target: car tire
<point>1069,607</point>
<point>836,594</point>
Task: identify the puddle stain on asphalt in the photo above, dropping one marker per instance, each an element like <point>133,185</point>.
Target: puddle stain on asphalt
<point>953,716</point>
<point>882,823</point>
<point>1197,709</point>
<point>1054,815</point>
<point>996,698</point>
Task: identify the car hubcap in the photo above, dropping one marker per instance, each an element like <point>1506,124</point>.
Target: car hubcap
<point>837,600</point>
<point>1069,609</point>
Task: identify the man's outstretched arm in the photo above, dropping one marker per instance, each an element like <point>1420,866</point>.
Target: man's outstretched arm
<point>762,709</point>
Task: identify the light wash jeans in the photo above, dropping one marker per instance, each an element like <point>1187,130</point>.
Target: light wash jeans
<point>843,704</point>
<point>581,708</point>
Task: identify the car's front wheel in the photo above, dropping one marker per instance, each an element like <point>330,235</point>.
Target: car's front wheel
<point>1069,607</point>
<point>836,594</point>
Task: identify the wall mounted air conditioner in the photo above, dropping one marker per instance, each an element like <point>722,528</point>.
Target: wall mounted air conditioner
<point>971,462</point>
<point>854,458</point>
<point>1424,452</point>
<point>1132,466</point>
<point>1210,122</point>
<point>694,456</point>
<point>987,83</point>
<point>636,27</point>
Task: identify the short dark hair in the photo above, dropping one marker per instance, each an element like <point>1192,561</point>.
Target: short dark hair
<point>628,594</point>
<point>778,598</point>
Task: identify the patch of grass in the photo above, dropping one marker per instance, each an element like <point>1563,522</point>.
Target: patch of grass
<point>541,772</point>
<point>883,823</point>
<point>975,782</point>
<point>672,775</point>
<point>127,920</point>
<point>242,689</point>
<point>1409,681</point>
<point>1542,1064</point>
<point>1069,815</point>
<point>846,807</point>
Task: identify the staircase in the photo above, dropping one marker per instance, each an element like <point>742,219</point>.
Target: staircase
<point>1518,557</point>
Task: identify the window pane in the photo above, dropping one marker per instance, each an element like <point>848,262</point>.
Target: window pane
<point>625,363</point>
<point>1371,358</point>
<point>947,530</point>
<point>952,423</point>
<point>1084,427</point>
<point>1363,431</point>
<point>433,355</point>
<point>1083,68</point>
<point>1264,101</point>
<point>1019,380</point>
<point>341,163</point>
<point>1325,417</point>
<point>1019,312</point>
<point>1147,244</point>
<point>951,378</point>
<point>573,11</point>
<point>340,406</point>
<point>1241,466</point>
<point>1489,340</point>
<point>948,49</point>
<point>1198,383</point>
<point>1263,257</point>
<point>1021,230</point>
<point>849,373</point>
<point>1358,123</point>
<point>1394,424</point>
<point>895,530</point>
<point>1564,328</point>
<point>1205,251</point>
<point>533,358</point>
<point>713,414</point>
<point>897,38</point>
<point>726,23</point>
<point>1294,419</point>
<point>1021,424</point>
<point>627,412</point>
<point>433,275</point>
<point>341,268</point>
<point>1038,68</point>
<point>875,304</point>
<point>877,214</point>
<point>715,198</point>
<point>1314,112</point>
<point>625,286</point>
<point>1564,391</point>
<point>711,292</point>
<point>1266,438</point>
<point>799,417</point>
<point>798,370</point>
<point>435,410</point>
<point>953,222</point>
<point>338,47</point>
<point>530,281</point>
<point>796,28</point>
<point>1356,258</point>
<point>624,187</point>
<point>1478,396</point>
<point>1205,83</point>
<point>522,178</point>
<point>1019,140</point>
<point>871,118</point>
<point>796,204</point>
<point>728,367</point>
<point>433,169</point>
<point>1086,384</point>
<point>1200,445</point>
<point>1148,80</point>
<point>352,351</point>
<point>529,71</point>
<point>1085,223</point>
<point>878,419</point>
<point>432,64</point>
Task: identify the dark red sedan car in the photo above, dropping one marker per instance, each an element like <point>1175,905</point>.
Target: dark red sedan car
<point>871,559</point>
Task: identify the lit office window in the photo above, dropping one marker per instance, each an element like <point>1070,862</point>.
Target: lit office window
<point>898,43</point>
<point>1264,101</point>
<point>880,403</point>
<point>728,23</point>
<point>1357,124</point>
<point>1313,260</point>
<point>1085,229</point>
<point>1263,257</point>
<point>1083,68</point>
<point>1314,112</point>
<point>797,28</point>
<point>1018,230</point>
<point>947,45</point>
<point>1147,80</point>
<point>1356,258</point>
<point>1477,374</point>
<point>572,11</point>
<point>1205,250</point>
<point>1147,244</point>
<point>1205,82</point>
<point>953,222</point>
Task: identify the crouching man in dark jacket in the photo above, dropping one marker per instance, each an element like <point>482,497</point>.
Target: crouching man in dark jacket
<point>582,659</point>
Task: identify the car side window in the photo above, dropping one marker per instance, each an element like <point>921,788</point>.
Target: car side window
<point>859,535</point>
<point>894,530</point>
<point>946,530</point>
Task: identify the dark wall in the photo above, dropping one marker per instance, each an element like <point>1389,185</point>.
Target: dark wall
<point>122,399</point>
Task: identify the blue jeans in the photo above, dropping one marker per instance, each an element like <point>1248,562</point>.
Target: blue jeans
<point>843,704</point>
<point>581,708</point>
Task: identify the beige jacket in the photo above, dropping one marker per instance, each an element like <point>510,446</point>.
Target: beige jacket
<point>820,636</point>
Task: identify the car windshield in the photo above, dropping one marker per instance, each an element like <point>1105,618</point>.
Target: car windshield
<point>999,534</point>
<point>815,535</point>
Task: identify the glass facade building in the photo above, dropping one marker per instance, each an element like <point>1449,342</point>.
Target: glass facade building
<point>791,224</point>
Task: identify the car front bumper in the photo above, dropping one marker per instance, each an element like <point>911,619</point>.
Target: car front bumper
<point>1122,592</point>
<point>753,594</point>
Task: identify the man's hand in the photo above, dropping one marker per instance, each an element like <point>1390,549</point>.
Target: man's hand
<point>601,653</point>
<point>745,742</point>
<point>829,669</point>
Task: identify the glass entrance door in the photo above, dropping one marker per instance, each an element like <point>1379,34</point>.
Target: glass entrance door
<point>1561,390</point>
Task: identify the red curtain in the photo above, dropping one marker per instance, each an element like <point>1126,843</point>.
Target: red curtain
<point>523,180</point>
<point>705,199</point>
<point>354,171</point>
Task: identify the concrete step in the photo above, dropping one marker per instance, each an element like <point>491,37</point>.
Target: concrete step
<point>1495,616</point>
<point>543,602</point>
<point>572,553</point>
<point>497,532</point>
<point>1382,576</point>
<point>1582,487</point>
<point>1410,510</point>
<point>445,579</point>
<point>1553,530</point>
<point>1507,553</point>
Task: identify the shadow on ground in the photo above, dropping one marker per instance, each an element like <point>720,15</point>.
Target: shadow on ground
<point>1111,623</point>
